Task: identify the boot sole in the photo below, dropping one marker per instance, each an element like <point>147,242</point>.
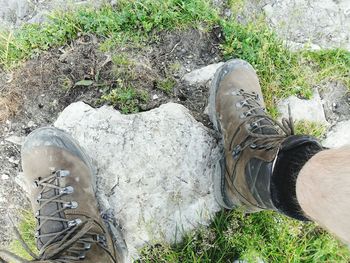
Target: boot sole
<point>220,167</point>
<point>61,139</point>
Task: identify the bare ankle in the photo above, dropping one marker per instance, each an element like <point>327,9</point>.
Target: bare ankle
<point>323,190</point>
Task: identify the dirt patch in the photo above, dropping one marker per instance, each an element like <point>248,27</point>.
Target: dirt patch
<point>188,50</point>
<point>336,101</point>
<point>34,95</point>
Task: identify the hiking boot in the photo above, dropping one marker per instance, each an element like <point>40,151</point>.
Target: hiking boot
<point>258,165</point>
<point>62,193</point>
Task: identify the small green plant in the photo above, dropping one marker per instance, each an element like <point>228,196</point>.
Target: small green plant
<point>65,83</point>
<point>26,228</point>
<point>174,67</point>
<point>127,99</point>
<point>166,85</point>
<point>121,60</point>
<point>310,128</point>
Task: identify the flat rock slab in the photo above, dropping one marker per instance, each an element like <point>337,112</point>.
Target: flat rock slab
<point>202,75</point>
<point>154,169</point>
<point>314,23</point>
<point>301,109</point>
<point>336,101</point>
<point>338,136</point>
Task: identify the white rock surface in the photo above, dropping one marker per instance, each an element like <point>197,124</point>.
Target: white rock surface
<point>323,23</point>
<point>312,24</point>
<point>13,13</point>
<point>202,75</point>
<point>154,168</point>
<point>309,110</point>
<point>338,136</point>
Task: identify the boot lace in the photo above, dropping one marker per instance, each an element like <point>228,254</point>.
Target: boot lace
<point>71,243</point>
<point>263,132</point>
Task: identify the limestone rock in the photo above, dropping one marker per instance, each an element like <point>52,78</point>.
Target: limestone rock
<point>202,75</point>
<point>338,136</point>
<point>325,23</point>
<point>154,168</point>
<point>305,23</point>
<point>336,101</point>
<point>309,110</point>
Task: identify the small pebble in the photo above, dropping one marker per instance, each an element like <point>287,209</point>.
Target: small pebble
<point>5,177</point>
<point>155,96</point>
<point>31,124</point>
<point>13,160</point>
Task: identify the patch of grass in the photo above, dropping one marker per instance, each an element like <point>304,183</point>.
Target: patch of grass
<point>330,64</point>
<point>276,238</point>
<point>123,67</point>
<point>134,20</point>
<point>127,99</point>
<point>26,228</point>
<point>310,128</point>
<point>266,236</point>
<point>166,85</point>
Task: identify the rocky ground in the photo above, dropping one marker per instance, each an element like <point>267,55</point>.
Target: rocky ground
<point>37,90</point>
<point>39,87</point>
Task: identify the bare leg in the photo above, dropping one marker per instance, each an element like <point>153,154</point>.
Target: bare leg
<point>323,190</point>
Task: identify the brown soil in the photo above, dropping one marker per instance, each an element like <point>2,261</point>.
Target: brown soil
<point>36,93</point>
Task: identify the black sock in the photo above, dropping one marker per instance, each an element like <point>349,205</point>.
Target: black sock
<point>294,153</point>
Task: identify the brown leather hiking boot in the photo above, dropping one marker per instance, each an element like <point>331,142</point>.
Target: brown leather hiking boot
<point>62,193</point>
<point>256,171</point>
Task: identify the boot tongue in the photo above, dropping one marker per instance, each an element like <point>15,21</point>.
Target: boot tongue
<point>295,151</point>
<point>50,226</point>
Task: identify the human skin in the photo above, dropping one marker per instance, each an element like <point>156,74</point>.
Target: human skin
<point>323,191</point>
